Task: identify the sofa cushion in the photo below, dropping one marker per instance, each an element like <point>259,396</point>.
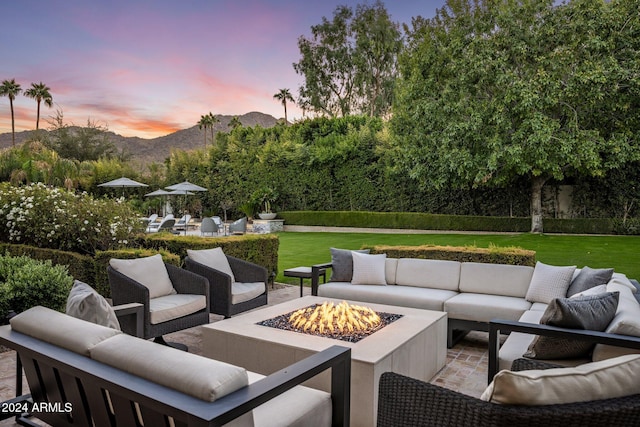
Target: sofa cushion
<point>342,264</point>
<point>588,278</point>
<point>587,313</point>
<point>539,306</point>
<point>241,292</point>
<point>549,282</point>
<point>428,273</point>
<point>212,258</point>
<point>496,279</point>
<point>600,289</point>
<point>298,407</point>
<point>404,296</point>
<point>148,271</point>
<point>484,307</point>
<point>59,329</point>
<point>197,376</point>
<point>390,268</point>
<point>625,322</point>
<point>85,303</point>
<point>169,307</point>
<point>369,269</point>
<point>592,381</point>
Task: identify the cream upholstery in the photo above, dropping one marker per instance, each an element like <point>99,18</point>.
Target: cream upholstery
<point>148,271</point>
<point>241,292</point>
<point>390,268</point>
<point>59,329</point>
<point>369,269</point>
<point>428,273</point>
<point>483,307</point>
<point>171,307</point>
<point>213,258</point>
<point>495,279</point>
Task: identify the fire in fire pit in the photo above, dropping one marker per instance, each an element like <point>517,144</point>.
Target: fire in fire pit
<point>339,321</point>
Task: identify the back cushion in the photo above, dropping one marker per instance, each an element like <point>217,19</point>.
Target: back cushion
<point>495,279</point>
<point>59,329</point>
<point>213,258</point>
<point>197,376</point>
<point>428,273</point>
<point>390,267</point>
<point>149,272</point>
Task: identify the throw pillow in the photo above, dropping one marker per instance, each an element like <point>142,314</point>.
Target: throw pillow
<point>549,282</point>
<point>87,304</point>
<point>342,264</point>
<point>607,379</point>
<point>590,312</point>
<point>588,278</point>
<point>369,269</point>
<point>213,258</point>
<point>149,272</point>
<point>600,289</point>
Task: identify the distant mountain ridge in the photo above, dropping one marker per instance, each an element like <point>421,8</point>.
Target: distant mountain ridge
<point>158,149</point>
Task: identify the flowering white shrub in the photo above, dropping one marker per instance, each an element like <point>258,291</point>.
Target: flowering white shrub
<point>49,217</point>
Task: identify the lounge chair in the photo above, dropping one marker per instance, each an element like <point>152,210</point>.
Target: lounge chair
<point>152,219</point>
<point>219,223</point>
<point>167,221</point>
<point>182,223</point>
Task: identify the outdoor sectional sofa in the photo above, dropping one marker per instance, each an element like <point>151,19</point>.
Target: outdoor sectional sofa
<point>471,293</point>
<point>81,373</point>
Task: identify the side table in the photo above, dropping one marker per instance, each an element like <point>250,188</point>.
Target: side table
<point>304,273</point>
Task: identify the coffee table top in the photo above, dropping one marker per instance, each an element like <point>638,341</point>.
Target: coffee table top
<point>370,349</point>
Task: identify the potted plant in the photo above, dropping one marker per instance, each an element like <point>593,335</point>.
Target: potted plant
<point>267,196</point>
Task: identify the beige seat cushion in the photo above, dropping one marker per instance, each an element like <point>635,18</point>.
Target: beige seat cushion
<point>241,292</point>
<point>369,269</point>
<point>197,376</point>
<point>299,407</point>
<point>85,303</point>
<point>212,258</point>
<point>59,329</point>
<point>592,381</point>
<point>148,271</point>
<point>428,273</point>
<point>483,307</point>
<point>171,307</point>
<point>496,279</point>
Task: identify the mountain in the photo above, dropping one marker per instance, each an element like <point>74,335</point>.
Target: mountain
<point>157,149</point>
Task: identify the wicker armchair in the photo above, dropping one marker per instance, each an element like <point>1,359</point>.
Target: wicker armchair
<point>407,402</point>
<point>221,296</point>
<point>126,290</point>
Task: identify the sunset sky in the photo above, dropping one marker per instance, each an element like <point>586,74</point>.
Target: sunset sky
<point>150,67</point>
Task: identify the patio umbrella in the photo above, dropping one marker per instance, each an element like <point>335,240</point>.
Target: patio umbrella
<point>159,193</point>
<point>122,182</point>
<point>185,188</point>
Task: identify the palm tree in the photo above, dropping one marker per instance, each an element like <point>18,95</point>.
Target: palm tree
<point>234,122</point>
<point>11,89</point>
<point>212,121</point>
<point>283,96</point>
<point>205,122</point>
<point>39,92</point>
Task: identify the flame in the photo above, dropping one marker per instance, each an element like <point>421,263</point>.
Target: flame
<point>342,318</point>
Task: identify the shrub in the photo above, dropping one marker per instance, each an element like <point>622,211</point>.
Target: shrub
<point>25,283</point>
<point>492,255</point>
<point>47,217</point>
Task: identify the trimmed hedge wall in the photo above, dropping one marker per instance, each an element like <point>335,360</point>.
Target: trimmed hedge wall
<point>492,255</point>
<point>425,221</point>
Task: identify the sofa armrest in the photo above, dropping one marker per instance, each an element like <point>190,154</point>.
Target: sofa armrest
<point>497,326</point>
<point>315,276</point>
<point>132,315</point>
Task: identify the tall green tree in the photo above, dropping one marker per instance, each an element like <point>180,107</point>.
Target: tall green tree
<point>283,96</point>
<point>494,90</point>
<point>234,122</point>
<point>204,123</point>
<point>349,63</point>
<point>11,89</point>
<point>39,92</point>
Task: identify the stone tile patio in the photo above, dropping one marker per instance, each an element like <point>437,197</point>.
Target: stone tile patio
<point>465,371</point>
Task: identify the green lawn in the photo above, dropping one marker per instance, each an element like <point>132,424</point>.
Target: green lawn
<point>619,252</point>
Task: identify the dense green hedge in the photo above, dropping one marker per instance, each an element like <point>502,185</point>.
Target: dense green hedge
<point>491,255</point>
<point>423,221</point>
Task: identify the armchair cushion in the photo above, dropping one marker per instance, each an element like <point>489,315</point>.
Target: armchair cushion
<point>241,292</point>
<point>197,376</point>
<point>148,271</point>
<point>368,269</point>
<point>549,282</point>
<point>171,307</point>
<point>587,312</point>
<point>592,381</point>
<point>213,258</point>
<point>59,329</point>
<point>87,304</point>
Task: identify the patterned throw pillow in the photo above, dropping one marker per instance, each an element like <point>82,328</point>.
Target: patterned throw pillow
<point>87,304</point>
<point>369,269</point>
<point>588,313</point>
<point>549,282</point>
<point>342,264</point>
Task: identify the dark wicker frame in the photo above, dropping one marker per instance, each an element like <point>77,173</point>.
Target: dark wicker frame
<point>407,402</point>
<point>126,290</point>
<point>59,376</point>
<point>220,283</point>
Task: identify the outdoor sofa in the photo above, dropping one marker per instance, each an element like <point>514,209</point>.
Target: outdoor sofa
<point>81,373</point>
<point>471,293</point>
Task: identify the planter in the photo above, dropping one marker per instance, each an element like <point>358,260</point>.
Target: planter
<point>267,215</point>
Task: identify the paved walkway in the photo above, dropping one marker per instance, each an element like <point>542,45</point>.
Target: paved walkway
<point>465,371</point>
